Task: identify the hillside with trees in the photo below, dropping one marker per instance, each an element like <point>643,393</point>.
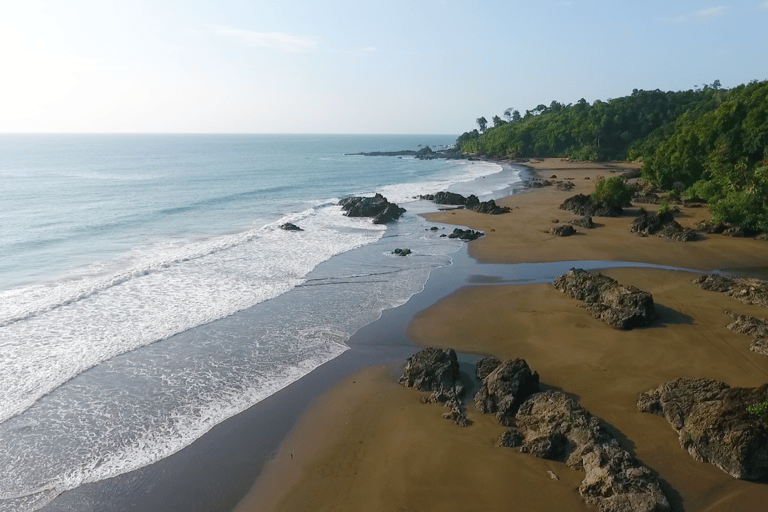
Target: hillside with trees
<point>711,143</point>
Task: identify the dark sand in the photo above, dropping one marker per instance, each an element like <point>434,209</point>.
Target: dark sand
<point>369,444</point>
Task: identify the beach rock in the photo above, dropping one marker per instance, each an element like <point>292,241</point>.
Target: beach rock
<point>290,227</point>
<point>565,186</point>
<point>538,184</point>
<point>490,207</point>
<point>747,290</point>
<point>436,370</point>
<point>713,423</point>
<point>647,198</point>
<point>584,222</point>
<point>581,204</point>
<point>623,307</point>
<point>712,229</point>
<point>564,230</point>
<point>735,231</point>
<point>553,426</point>
<point>465,234</point>
<point>505,388</point>
<point>377,207</point>
<point>451,198</point>
<point>402,252</point>
<point>485,366</point>
<point>663,225</point>
<point>755,327</point>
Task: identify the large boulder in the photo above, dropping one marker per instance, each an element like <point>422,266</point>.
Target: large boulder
<point>451,198</point>
<point>553,426</point>
<point>504,388</point>
<point>581,204</point>
<point>490,207</point>
<point>623,307</point>
<point>714,424</point>
<point>663,225</point>
<point>437,370</point>
<point>377,207</point>
<point>749,291</point>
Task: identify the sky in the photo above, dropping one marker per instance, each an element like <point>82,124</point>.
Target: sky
<point>344,66</point>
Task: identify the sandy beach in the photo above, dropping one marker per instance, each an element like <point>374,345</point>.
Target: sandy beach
<point>370,444</point>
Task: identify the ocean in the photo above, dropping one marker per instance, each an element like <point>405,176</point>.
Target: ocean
<point>147,292</point>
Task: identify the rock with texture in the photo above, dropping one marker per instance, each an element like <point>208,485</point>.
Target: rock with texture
<point>553,426</point>
<point>505,388</point>
<point>713,423</point>
<point>377,207</point>
<point>623,307</point>
<point>564,230</point>
<point>465,234</point>
<point>437,370</point>
<point>451,198</point>
<point>584,222</point>
<point>581,204</point>
<point>490,207</point>
<point>755,327</point>
<point>663,225</point>
<point>290,227</point>
<point>748,291</point>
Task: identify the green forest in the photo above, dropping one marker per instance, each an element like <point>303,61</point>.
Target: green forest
<point>708,143</point>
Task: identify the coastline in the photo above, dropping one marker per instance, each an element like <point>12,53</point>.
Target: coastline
<point>368,443</point>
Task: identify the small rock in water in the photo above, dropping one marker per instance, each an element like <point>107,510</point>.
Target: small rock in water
<point>290,227</point>
<point>402,252</point>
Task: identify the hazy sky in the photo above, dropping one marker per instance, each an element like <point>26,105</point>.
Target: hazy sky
<point>336,66</point>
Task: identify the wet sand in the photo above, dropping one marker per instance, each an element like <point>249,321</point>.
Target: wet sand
<point>369,444</point>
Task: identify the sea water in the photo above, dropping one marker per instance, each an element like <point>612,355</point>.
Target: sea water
<point>147,292</point>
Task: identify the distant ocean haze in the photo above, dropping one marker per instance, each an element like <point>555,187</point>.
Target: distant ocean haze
<point>147,292</point>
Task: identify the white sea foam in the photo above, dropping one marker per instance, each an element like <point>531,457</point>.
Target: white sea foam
<point>48,338</point>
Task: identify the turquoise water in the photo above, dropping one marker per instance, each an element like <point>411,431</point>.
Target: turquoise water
<point>132,267</point>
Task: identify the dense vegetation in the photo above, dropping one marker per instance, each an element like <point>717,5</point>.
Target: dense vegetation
<point>711,143</point>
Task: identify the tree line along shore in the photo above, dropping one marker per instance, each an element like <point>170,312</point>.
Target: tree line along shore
<point>708,143</point>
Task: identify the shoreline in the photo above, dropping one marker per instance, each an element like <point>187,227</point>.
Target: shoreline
<point>368,443</point>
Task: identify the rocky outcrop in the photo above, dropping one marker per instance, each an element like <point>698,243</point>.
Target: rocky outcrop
<point>290,227</point>
<point>485,366</point>
<point>713,423</point>
<point>504,388</point>
<point>437,370</point>
<point>623,307</point>
<point>490,207</point>
<point>565,186</point>
<point>465,234</point>
<point>537,183</point>
<point>584,222</point>
<point>451,198</point>
<point>748,291</point>
<point>663,225</point>
<point>581,204</point>
<point>564,230</point>
<point>755,327</point>
<point>377,207</point>
<point>402,252</point>
<point>553,426</point>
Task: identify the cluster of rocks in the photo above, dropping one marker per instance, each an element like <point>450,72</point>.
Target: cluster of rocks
<point>748,291</point>
<point>425,153</point>
<point>464,234</point>
<point>621,306</point>
<point>377,207</point>
<point>714,424</point>
<point>402,252</point>
<point>660,224</point>
<point>553,426</point>
<point>437,370</point>
<point>451,198</point>
<point>721,228</point>
<point>582,204</point>
<point>546,424</point>
<point>470,203</point>
<point>755,327</point>
<point>541,183</point>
